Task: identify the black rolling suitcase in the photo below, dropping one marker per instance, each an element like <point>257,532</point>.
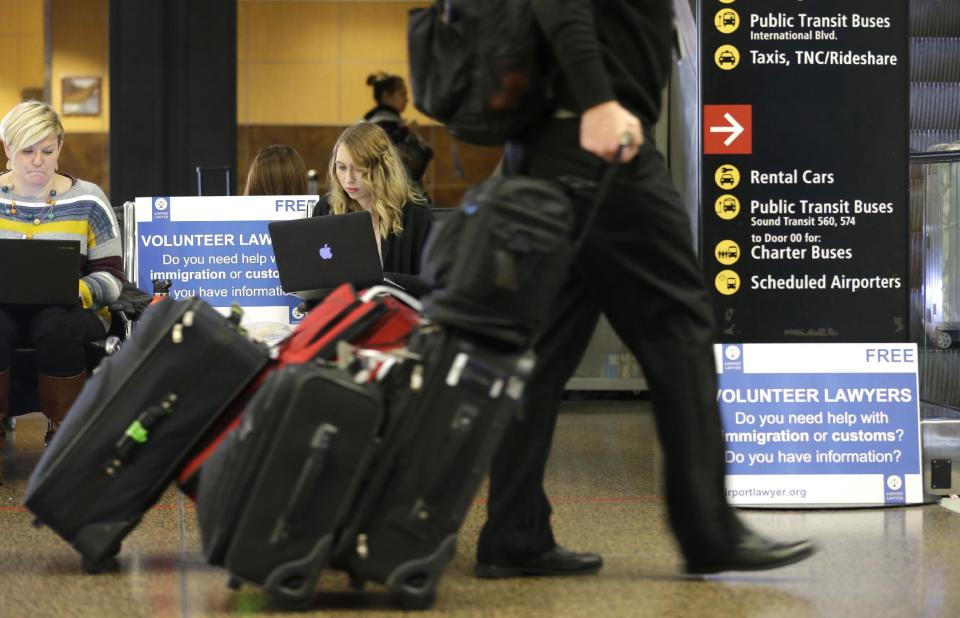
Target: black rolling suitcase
<point>449,421</point>
<point>374,479</point>
<point>135,421</point>
<point>275,493</point>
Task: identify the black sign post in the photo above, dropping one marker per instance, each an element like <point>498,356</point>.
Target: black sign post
<point>804,169</point>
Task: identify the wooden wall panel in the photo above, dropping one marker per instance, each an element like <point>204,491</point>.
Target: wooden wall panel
<point>314,143</point>
<point>87,156</point>
<point>445,180</point>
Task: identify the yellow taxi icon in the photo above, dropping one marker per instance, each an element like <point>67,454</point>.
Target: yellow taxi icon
<point>726,21</point>
<point>727,177</point>
<point>727,252</point>
<point>727,282</point>
<point>727,57</point>
<point>727,207</point>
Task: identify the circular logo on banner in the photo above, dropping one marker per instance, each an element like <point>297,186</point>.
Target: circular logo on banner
<point>727,252</point>
<point>297,313</point>
<point>727,57</point>
<point>727,207</point>
<point>732,353</point>
<point>727,282</point>
<point>894,483</point>
<point>727,177</point>
<point>727,21</point>
<point>160,204</point>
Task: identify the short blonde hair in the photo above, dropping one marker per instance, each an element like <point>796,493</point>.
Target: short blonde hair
<point>380,169</point>
<point>30,122</point>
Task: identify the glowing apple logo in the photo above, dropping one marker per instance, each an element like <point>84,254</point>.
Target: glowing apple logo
<point>326,252</point>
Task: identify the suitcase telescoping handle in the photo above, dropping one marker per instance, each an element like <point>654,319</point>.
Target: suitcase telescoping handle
<point>380,290</point>
<point>305,487</point>
<point>606,180</point>
<point>138,433</point>
<point>456,456</point>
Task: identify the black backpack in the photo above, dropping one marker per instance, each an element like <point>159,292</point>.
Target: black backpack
<point>496,263</point>
<point>477,66</point>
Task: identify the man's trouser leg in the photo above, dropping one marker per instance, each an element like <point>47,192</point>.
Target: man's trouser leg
<point>640,268</point>
<point>518,512</point>
<point>646,278</point>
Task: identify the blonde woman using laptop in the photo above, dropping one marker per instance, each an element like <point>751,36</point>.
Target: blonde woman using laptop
<point>37,202</point>
<point>366,173</point>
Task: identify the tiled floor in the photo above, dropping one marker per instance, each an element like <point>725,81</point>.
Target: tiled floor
<point>604,480</point>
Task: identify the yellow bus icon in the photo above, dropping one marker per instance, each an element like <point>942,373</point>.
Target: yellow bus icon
<point>727,252</point>
<point>727,282</point>
<point>727,207</point>
<point>727,21</point>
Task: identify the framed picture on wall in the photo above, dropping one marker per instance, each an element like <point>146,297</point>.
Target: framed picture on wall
<point>81,96</point>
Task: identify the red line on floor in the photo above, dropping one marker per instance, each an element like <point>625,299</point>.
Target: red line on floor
<point>617,500</point>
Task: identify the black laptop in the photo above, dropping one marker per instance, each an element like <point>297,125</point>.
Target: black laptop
<point>317,254</point>
<point>41,272</point>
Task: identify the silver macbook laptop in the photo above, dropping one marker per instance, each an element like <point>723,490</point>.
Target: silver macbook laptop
<point>46,272</point>
<point>317,254</point>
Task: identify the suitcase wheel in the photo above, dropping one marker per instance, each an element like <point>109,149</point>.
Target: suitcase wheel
<point>233,583</point>
<point>107,564</point>
<point>418,601</point>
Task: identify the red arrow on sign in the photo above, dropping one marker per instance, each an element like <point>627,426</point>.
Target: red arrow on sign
<point>728,129</point>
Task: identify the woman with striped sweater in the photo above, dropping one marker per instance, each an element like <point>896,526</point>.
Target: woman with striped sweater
<point>38,202</point>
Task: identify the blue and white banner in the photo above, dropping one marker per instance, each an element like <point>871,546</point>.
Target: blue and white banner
<point>820,424</point>
<point>218,249</point>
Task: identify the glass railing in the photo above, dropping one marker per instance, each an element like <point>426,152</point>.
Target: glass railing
<point>935,275</point>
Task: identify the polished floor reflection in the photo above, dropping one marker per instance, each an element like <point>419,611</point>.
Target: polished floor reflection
<point>604,477</point>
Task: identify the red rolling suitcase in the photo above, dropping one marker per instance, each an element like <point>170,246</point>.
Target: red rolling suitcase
<point>377,318</point>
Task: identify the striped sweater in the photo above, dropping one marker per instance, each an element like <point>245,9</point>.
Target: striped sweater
<point>81,213</point>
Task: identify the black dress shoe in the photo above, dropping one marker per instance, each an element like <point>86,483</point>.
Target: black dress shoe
<point>557,561</point>
<point>754,553</point>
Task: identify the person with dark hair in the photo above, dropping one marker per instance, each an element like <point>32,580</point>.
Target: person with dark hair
<point>277,170</point>
<point>37,201</point>
<point>390,94</point>
<point>366,173</point>
<point>637,266</point>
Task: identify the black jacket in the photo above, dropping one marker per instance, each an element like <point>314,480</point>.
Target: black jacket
<point>389,120</point>
<point>610,50</point>
<point>401,252</point>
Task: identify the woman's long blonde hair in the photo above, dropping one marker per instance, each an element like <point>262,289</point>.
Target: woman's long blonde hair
<point>381,170</point>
